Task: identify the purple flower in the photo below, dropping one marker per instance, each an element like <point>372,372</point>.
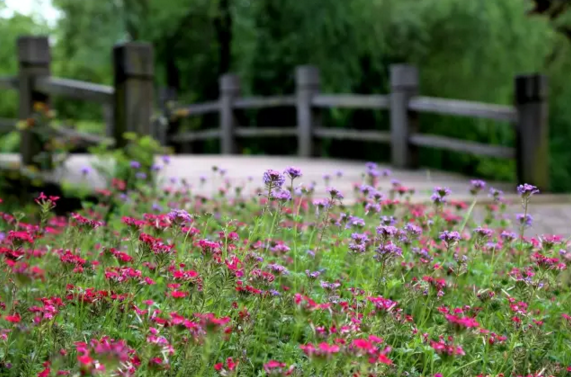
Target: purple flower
<point>388,220</point>
<point>496,194</point>
<point>85,170</point>
<point>334,193</point>
<point>155,167</point>
<point>442,191</point>
<point>281,195</point>
<point>366,189</point>
<point>373,173</point>
<point>386,231</point>
<point>508,236</point>
<point>326,177</point>
<point>322,203</point>
<point>156,207</point>
<point>477,186</point>
<point>389,250</point>
<point>527,190</point>
<point>202,179</point>
<point>273,179</point>
<point>483,232</point>
<point>141,175</point>
<point>292,172</point>
<point>179,215</point>
<point>449,238</point>
<point>135,164</point>
<point>359,238</point>
<point>339,173</point>
<point>524,220</point>
<point>378,196</point>
<point>312,275</point>
<point>330,286</point>
<point>371,166</point>
<point>396,183</point>
<point>413,230</point>
<point>373,207</point>
<point>386,173</point>
<point>278,269</point>
<point>166,159</point>
<point>355,221</point>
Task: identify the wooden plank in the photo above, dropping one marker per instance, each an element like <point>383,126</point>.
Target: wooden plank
<point>463,108</point>
<point>84,137</point>
<point>197,109</point>
<point>263,102</point>
<point>75,89</point>
<point>434,141</point>
<point>10,82</point>
<point>195,136</point>
<point>8,125</point>
<point>265,132</point>
<point>359,135</point>
<point>351,101</point>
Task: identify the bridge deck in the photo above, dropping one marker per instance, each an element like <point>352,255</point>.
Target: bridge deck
<point>552,213</point>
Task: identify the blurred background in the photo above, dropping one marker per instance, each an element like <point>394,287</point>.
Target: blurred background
<point>464,49</point>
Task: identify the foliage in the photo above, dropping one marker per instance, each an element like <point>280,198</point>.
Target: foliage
<point>467,50</point>
<point>249,285</point>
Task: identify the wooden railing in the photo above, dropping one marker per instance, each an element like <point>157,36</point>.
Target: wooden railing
<point>130,105</point>
<point>528,118</point>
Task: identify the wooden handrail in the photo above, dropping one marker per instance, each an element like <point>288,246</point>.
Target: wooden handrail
<point>75,89</point>
<point>463,108</point>
<point>351,101</point>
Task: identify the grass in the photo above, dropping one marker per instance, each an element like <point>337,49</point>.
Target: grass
<point>151,282</point>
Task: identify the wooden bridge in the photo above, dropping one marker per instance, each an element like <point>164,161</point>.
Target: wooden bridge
<point>130,107</point>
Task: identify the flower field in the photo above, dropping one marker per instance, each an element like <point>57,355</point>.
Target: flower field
<point>270,281</point>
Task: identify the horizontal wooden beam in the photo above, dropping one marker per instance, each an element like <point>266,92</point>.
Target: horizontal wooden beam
<point>359,135</point>
<point>195,136</point>
<point>197,109</point>
<point>84,137</point>
<point>351,101</point>
<point>10,82</point>
<point>8,125</point>
<point>263,102</point>
<point>463,108</point>
<point>463,146</point>
<point>265,132</point>
<point>80,90</point>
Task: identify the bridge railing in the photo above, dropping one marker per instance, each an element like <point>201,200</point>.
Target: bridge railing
<point>528,118</point>
<point>129,104</point>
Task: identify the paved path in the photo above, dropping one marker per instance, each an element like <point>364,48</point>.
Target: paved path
<point>552,213</point>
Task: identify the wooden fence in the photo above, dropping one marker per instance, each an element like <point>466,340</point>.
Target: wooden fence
<point>130,104</point>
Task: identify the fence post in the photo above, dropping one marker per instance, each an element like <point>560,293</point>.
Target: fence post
<point>229,91</point>
<point>532,149</point>
<point>33,61</point>
<point>307,84</point>
<point>133,102</point>
<point>404,86</point>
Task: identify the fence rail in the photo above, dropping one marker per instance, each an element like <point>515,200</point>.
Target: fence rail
<point>463,108</point>
<point>129,106</point>
<point>75,89</point>
<point>351,101</point>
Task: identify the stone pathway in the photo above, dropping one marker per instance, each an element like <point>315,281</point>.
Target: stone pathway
<point>552,213</point>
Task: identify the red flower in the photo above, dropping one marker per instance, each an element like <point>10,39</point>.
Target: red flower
<point>16,318</point>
